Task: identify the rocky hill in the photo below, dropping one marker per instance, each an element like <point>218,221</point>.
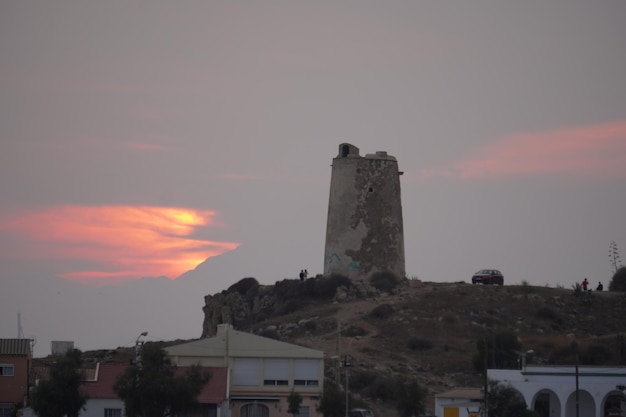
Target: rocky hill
<point>424,330</point>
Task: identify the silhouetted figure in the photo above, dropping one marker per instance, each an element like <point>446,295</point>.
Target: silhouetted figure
<point>600,287</point>
<point>585,284</point>
<point>301,275</point>
<point>306,274</point>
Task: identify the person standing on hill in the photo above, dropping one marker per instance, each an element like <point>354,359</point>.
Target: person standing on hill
<point>585,284</point>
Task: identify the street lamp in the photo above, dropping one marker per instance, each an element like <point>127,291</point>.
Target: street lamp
<point>524,355</point>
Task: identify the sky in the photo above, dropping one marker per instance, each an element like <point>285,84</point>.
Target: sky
<point>154,152</point>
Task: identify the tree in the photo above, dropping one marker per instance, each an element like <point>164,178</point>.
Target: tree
<point>152,388</point>
<point>60,395</point>
<point>294,400</point>
<point>332,403</point>
<point>618,282</point>
<point>410,398</point>
<point>502,351</point>
<point>504,401</point>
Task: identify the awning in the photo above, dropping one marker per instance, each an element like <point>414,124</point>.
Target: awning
<point>254,398</point>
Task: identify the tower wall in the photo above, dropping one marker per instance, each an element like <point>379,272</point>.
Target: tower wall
<point>364,232</point>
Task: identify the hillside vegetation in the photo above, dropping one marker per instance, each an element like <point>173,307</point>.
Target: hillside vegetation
<point>430,331</point>
<point>422,330</point>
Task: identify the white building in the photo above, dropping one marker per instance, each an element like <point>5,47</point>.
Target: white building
<point>552,390</point>
<point>261,372</point>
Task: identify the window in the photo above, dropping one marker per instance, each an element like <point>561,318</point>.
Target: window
<point>305,372</point>
<point>276,372</point>
<point>6,369</point>
<point>303,411</point>
<point>6,410</point>
<point>246,371</point>
<point>255,410</point>
<point>305,382</point>
<point>112,412</point>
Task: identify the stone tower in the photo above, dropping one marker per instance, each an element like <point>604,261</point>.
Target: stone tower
<point>364,231</point>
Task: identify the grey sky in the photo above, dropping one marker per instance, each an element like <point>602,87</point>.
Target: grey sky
<point>508,119</point>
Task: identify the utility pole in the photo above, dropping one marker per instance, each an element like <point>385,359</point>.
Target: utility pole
<point>346,365</point>
<point>577,404</point>
<point>485,380</point>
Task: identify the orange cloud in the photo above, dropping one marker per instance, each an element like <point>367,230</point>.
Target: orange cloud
<point>597,151</point>
<point>121,242</point>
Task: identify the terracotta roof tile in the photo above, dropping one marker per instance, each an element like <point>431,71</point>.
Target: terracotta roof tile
<point>17,347</point>
<point>102,385</point>
<point>107,374</point>
<point>215,390</point>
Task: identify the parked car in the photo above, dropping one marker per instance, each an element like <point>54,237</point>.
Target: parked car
<point>361,412</point>
<point>488,277</point>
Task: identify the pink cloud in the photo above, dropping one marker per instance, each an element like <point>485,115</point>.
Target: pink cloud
<point>596,151</point>
<point>121,242</point>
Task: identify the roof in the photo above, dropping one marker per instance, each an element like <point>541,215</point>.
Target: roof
<point>242,345</point>
<point>102,385</point>
<point>43,373</point>
<point>214,392</point>
<point>15,347</point>
<point>39,372</point>
<point>106,375</point>
<point>462,393</point>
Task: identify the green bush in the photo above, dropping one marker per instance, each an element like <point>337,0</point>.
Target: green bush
<point>618,282</point>
<point>270,334</point>
<point>318,287</point>
<point>596,355</point>
<point>385,389</point>
<point>246,287</point>
<point>565,354</point>
<point>361,379</point>
<point>502,348</point>
<point>416,343</point>
<point>353,331</point>
<point>326,287</point>
<point>550,314</point>
<point>288,307</point>
<point>382,311</point>
<point>384,281</point>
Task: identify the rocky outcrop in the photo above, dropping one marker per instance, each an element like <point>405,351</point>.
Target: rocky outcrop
<point>234,308</point>
<point>247,302</point>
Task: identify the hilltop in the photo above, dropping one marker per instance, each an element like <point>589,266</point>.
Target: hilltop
<point>428,330</point>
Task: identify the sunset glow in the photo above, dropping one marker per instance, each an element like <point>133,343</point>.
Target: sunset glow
<point>597,151</point>
<point>119,243</point>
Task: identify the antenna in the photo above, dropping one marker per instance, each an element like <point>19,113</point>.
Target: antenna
<point>20,331</point>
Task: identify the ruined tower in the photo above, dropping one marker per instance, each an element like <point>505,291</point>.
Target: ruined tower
<point>364,232</point>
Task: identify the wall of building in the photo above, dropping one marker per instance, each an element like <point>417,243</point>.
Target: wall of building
<point>364,232</point>
<point>556,385</point>
<point>13,389</point>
